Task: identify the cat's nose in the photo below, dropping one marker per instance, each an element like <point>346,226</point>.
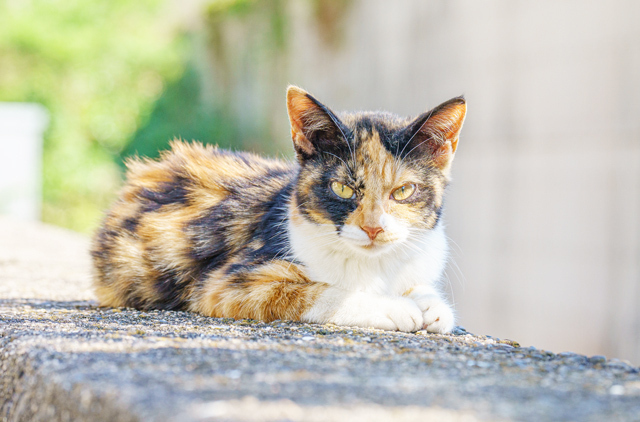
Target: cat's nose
<point>372,231</point>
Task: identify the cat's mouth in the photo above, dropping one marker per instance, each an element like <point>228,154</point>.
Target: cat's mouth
<point>375,246</point>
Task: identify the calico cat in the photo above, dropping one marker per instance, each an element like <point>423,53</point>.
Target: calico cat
<point>350,234</point>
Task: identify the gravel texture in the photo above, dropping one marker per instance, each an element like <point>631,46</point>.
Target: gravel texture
<point>64,358</point>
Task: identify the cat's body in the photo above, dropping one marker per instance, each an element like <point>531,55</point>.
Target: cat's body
<point>351,234</point>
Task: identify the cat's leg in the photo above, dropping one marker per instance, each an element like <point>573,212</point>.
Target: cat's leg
<point>367,310</point>
<point>266,292</point>
<point>437,313</point>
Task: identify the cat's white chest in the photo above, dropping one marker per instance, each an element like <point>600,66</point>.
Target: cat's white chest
<point>418,262</point>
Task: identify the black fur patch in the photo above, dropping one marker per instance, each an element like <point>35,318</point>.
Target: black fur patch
<point>170,289</point>
<point>438,215</point>
<point>167,193</point>
<point>272,227</point>
<point>333,135</point>
<point>104,240</point>
<point>134,302</point>
<point>210,247</point>
<point>131,224</point>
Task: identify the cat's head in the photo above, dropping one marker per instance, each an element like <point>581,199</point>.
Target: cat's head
<point>370,181</point>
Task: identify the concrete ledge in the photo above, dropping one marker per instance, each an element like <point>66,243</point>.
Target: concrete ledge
<point>63,358</point>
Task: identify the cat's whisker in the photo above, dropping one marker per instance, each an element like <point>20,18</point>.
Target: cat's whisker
<point>450,240</point>
<point>286,217</point>
<point>331,242</point>
<point>312,238</point>
<point>414,248</point>
<point>458,272</point>
<point>319,236</point>
<point>412,149</point>
<point>453,297</point>
<point>283,250</point>
<point>353,153</point>
<point>396,158</point>
<point>345,163</point>
<point>415,133</point>
<point>452,261</point>
<point>403,251</point>
<point>339,126</point>
<point>282,253</point>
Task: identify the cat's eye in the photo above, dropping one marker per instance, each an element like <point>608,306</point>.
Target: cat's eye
<point>342,190</point>
<point>403,192</point>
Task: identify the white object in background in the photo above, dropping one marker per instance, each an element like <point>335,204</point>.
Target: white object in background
<point>21,128</point>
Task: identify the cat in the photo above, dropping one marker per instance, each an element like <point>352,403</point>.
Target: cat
<point>350,233</point>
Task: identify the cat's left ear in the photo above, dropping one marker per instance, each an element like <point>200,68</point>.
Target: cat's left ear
<point>435,133</point>
<point>314,127</point>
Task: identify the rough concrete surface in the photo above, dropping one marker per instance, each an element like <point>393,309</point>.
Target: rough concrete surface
<point>62,358</point>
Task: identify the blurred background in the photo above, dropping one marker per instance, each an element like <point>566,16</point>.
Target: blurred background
<point>544,209</point>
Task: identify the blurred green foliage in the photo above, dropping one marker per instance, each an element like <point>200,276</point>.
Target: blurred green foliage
<point>98,67</point>
<point>120,78</point>
<point>182,112</point>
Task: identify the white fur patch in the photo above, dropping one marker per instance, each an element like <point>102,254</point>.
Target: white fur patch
<point>368,310</point>
<point>368,281</point>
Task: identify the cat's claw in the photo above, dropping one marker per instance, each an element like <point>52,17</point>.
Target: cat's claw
<point>438,318</point>
<point>406,317</point>
<point>438,315</point>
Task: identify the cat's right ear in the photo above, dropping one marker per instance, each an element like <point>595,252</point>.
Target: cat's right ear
<point>314,127</point>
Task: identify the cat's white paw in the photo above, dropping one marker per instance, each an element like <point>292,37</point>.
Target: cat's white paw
<point>372,311</point>
<point>400,314</point>
<point>438,315</point>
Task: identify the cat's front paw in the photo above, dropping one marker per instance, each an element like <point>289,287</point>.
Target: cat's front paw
<point>438,315</point>
<point>398,314</point>
<point>384,313</point>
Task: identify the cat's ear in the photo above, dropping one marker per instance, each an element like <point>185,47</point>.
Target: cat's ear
<point>435,133</point>
<point>314,127</point>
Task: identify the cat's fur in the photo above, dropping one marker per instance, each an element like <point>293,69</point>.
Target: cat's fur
<point>236,235</point>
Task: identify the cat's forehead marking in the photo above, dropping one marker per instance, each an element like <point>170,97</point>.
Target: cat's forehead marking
<point>377,168</point>
<point>376,160</point>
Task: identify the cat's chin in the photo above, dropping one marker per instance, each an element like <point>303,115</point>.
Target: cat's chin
<point>370,249</point>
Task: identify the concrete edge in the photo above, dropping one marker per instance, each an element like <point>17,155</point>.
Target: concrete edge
<point>23,383</point>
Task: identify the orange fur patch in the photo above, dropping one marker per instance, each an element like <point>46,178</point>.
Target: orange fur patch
<point>276,290</point>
